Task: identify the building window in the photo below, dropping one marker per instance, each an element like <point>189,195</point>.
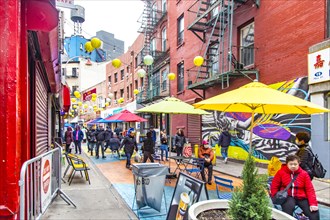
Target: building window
<point>153,47</point>
<point>136,62</point>
<point>136,84</point>
<point>247,45</point>
<point>122,74</point>
<point>127,69</point>
<point>215,60</point>
<point>127,90</point>
<point>327,117</point>
<point>164,80</point>
<point>122,93</point>
<point>180,24</point>
<point>109,79</point>
<point>141,82</point>
<point>164,8</point>
<point>74,88</point>
<point>74,72</point>
<point>180,77</point>
<point>115,95</point>
<point>64,72</point>
<point>154,13</point>
<point>116,77</point>
<point>328,18</point>
<point>164,39</point>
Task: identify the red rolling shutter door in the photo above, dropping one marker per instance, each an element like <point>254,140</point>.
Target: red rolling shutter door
<point>194,129</point>
<point>41,113</point>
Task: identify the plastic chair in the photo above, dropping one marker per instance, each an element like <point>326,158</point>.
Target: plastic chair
<point>78,165</point>
<point>198,167</point>
<point>222,183</point>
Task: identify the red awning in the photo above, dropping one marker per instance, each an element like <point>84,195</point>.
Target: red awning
<point>125,116</point>
<point>66,98</point>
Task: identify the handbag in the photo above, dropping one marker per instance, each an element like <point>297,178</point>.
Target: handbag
<point>282,195</point>
<point>72,146</point>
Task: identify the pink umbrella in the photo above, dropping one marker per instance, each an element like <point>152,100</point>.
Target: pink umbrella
<point>125,116</point>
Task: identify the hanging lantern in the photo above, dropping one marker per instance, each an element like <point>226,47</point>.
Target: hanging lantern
<point>79,103</point>
<point>198,60</point>
<point>171,76</point>
<point>107,100</point>
<point>73,100</point>
<point>96,43</point>
<point>110,95</point>
<point>148,60</point>
<point>74,106</point>
<point>136,91</point>
<point>106,104</point>
<point>88,47</point>
<point>94,95</point>
<point>141,73</point>
<point>85,106</point>
<point>116,63</point>
<point>76,94</point>
<point>72,110</point>
<point>93,99</point>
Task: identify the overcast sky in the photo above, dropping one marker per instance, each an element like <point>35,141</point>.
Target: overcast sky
<point>115,16</point>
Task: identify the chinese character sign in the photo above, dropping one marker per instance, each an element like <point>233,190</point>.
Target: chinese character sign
<point>319,66</point>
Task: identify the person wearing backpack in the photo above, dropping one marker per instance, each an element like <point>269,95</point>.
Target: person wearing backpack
<point>100,138</point>
<point>224,142</point>
<point>305,153</point>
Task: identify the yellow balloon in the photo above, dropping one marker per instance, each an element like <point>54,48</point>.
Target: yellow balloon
<point>74,106</point>
<point>80,103</point>
<point>85,106</point>
<point>116,63</point>
<point>96,43</point>
<point>77,94</point>
<point>106,104</point>
<point>136,91</point>
<point>94,95</point>
<point>171,76</point>
<point>198,60</point>
<point>88,46</point>
<point>73,100</point>
<point>71,111</point>
<point>93,99</point>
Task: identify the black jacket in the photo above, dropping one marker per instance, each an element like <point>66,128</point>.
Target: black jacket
<point>148,145</point>
<point>179,140</point>
<point>108,134</point>
<point>306,159</point>
<point>100,135</point>
<point>129,144</point>
<point>224,139</point>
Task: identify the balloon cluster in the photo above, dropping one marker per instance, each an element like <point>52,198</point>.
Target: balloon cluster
<point>95,43</point>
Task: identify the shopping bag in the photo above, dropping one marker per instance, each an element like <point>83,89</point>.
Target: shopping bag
<point>274,166</point>
<point>72,146</point>
<point>187,150</point>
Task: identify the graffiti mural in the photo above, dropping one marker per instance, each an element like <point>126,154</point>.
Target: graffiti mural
<point>273,134</point>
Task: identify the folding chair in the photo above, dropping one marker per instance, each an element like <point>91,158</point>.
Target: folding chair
<point>222,183</point>
<point>197,167</point>
<point>78,165</point>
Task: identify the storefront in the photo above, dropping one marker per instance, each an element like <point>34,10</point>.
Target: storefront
<point>319,86</point>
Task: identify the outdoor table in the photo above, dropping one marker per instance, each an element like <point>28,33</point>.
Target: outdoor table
<point>180,160</point>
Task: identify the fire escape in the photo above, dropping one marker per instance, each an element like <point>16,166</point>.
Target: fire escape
<point>150,20</point>
<point>213,25</point>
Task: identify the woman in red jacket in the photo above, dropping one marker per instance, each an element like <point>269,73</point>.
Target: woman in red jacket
<point>300,193</point>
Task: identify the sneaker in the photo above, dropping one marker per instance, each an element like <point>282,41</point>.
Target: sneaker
<point>103,157</point>
<point>226,159</point>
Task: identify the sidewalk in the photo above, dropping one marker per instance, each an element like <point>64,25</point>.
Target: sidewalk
<point>96,201</point>
<point>234,169</point>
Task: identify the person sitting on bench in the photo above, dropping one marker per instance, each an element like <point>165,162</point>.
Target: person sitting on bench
<point>206,152</point>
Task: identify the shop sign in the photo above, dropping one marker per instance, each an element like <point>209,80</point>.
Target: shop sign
<point>87,96</point>
<point>46,179</point>
<point>319,66</point>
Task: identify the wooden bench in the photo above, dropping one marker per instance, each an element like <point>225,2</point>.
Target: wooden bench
<point>222,183</point>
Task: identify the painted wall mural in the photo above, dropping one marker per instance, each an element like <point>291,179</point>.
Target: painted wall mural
<point>273,134</point>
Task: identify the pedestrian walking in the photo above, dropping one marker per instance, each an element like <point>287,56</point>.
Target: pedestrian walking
<point>108,136</point>
<point>68,136</point>
<point>100,137</point>
<point>179,141</point>
<point>129,144</point>
<point>115,144</point>
<point>305,153</point>
<point>92,142</point>
<point>164,145</point>
<point>148,148</point>
<point>224,142</point>
<point>78,136</point>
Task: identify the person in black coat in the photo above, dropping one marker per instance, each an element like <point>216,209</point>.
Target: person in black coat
<point>92,140</point>
<point>115,144</point>
<point>108,136</point>
<point>224,142</point>
<point>179,141</point>
<point>305,153</point>
<point>148,148</point>
<point>129,144</point>
<point>100,137</point>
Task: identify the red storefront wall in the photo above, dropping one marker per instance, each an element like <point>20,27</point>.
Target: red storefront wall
<point>16,17</point>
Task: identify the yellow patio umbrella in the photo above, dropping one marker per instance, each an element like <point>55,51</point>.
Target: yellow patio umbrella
<point>257,97</point>
<point>171,105</point>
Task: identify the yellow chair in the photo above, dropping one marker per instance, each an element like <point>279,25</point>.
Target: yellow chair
<point>78,164</point>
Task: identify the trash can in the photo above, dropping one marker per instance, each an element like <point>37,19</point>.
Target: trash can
<point>149,181</point>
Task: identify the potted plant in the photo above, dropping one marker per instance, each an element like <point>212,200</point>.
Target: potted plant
<point>250,201</point>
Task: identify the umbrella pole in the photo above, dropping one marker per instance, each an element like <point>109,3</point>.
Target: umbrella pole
<point>251,132</point>
<point>170,128</point>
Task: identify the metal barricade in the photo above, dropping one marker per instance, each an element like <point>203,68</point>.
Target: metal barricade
<point>40,183</point>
